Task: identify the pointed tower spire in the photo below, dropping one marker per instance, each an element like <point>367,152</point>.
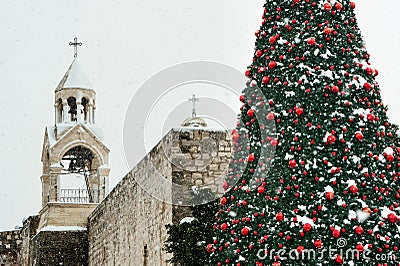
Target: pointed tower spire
<point>75,98</point>
<point>74,78</point>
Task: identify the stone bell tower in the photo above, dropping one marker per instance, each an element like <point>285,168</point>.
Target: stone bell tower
<point>75,160</point>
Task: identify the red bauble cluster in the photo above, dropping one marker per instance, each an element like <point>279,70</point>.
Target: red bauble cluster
<point>393,218</point>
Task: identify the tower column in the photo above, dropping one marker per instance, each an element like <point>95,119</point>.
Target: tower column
<point>45,189</point>
<point>65,112</point>
<point>93,116</point>
<point>55,172</point>
<point>90,113</point>
<point>57,116</point>
<point>80,112</point>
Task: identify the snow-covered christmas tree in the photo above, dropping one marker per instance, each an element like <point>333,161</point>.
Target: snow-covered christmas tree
<point>330,194</point>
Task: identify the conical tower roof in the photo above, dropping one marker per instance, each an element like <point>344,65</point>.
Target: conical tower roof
<point>74,78</point>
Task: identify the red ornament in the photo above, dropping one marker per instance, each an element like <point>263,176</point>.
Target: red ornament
<point>327,6</point>
<point>318,243</point>
<point>248,73</point>
<point>328,30</point>
<point>272,39</point>
<point>224,200</point>
<point>292,163</point>
<point>279,217</point>
<point>235,136</point>
<point>224,226</point>
<point>307,228</point>
<point>367,86</point>
<point>331,139</point>
<point>360,247</point>
<point>359,230</point>
<point>271,116</point>
<point>369,71</point>
<point>353,189</point>
<point>245,231</point>
<point>353,5</point>
<point>250,158</point>
<point>359,136</point>
<point>311,41</point>
<point>338,259</point>
<point>265,80</point>
<point>335,89</point>
<point>274,142</point>
<point>300,249</point>
<point>261,189</point>
<point>338,6</point>
<point>329,195</point>
<point>250,113</point>
<point>336,233</point>
<point>272,64</point>
<point>392,218</point>
<point>299,111</point>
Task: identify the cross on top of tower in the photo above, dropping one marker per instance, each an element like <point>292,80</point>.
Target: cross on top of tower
<point>194,100</point>
<point>75,44</point>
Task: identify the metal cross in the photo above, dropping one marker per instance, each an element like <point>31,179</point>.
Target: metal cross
<point>194,100</point>
<point>75,44</point>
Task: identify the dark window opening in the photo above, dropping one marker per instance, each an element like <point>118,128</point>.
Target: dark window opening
<point>72,109</point>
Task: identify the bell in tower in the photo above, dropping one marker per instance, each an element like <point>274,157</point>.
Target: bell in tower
<point>75,160</point>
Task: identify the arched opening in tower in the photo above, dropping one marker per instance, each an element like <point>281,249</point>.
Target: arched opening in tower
<point>77,179</point>
<point>85,109</point>
<point>72,109</point>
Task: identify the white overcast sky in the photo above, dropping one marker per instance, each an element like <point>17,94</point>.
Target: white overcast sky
<point>125,42</point>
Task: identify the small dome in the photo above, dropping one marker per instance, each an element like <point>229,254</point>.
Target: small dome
<point>194,122</point>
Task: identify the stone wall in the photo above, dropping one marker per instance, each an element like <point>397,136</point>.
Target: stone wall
<point>28,231</point>
<point>60,248</point>
<point>200,158</point>
<point>128,227</point>
<point>10,244</point>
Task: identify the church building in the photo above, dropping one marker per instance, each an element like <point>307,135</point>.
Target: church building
<point>81,222</point>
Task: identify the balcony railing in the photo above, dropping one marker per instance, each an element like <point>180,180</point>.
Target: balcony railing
<point>74,196</point>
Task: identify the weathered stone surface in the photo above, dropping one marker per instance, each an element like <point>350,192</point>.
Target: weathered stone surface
<point>128,227</point>
<point>28,231</point>
<point>10,245</point>
<point>60,248</point>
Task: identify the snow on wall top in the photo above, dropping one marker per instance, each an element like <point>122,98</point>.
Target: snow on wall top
<point>62,228</point>
<point>74,78</point>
